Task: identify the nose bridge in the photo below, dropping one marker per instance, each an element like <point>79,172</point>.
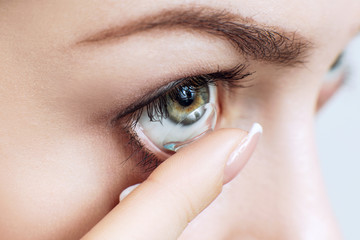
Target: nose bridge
<point>281,199</point>
<point>279,195</point>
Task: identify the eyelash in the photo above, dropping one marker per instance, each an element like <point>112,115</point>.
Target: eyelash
<point>233,78</point>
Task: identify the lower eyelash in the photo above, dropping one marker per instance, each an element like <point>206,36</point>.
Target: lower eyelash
<point>149,161</point>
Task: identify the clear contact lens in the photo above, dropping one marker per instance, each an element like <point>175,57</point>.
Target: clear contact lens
<point>186,115</point>
<point>183,134</point>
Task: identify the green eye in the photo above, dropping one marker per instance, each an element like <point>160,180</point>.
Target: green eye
<point>185,101</point>
<point>189,111</point>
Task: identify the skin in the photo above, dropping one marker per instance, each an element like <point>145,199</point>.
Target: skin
<point>62,166</point>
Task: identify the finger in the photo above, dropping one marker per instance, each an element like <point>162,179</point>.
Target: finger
<point>180,188</point>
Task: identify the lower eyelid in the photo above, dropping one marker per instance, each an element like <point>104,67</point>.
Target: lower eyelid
<point>150,146</point>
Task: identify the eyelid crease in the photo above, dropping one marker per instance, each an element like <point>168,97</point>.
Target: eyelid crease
<point>232,78</point>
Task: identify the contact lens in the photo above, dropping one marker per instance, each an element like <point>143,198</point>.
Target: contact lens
<point>183,134</point>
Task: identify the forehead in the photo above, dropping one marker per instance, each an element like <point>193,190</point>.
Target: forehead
<point>303,15</point>
<point>66,21</point>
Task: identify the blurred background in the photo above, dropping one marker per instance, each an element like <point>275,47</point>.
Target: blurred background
<point>338,138</point>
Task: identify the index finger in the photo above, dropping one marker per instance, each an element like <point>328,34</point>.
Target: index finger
<point>179,189</point>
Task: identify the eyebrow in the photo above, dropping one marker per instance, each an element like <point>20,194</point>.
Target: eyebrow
<point>251,39</point>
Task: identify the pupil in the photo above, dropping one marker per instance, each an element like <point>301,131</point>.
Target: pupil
<point>186,95</point>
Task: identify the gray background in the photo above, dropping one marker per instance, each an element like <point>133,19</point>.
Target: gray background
<point>338,138</point>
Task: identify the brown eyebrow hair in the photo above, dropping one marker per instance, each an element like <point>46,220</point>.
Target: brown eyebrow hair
<point>261,43</point>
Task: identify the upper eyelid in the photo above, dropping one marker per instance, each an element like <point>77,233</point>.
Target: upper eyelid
<point>145,100</point>
<point>230,76</point>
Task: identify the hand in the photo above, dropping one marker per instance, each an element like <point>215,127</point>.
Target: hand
<point>179,189</point>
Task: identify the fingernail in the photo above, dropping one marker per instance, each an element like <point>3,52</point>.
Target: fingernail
<point>127,191</point>
<point>239,157</point>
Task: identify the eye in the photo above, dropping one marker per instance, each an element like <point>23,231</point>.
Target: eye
<point>176,114</point>
<point>337,63</point>
<point>338,69</point>
<point>189,112</point>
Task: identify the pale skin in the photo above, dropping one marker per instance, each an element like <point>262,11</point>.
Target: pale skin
<point>62,165</point>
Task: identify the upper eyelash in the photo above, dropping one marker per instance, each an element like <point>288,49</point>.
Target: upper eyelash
<point>156,109</point>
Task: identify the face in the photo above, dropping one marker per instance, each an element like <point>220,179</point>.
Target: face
<point>72,72</point>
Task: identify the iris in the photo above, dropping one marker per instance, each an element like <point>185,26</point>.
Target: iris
<point>182,107</point>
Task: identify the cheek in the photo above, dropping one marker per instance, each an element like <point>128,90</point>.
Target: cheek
<point>60,185</point>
